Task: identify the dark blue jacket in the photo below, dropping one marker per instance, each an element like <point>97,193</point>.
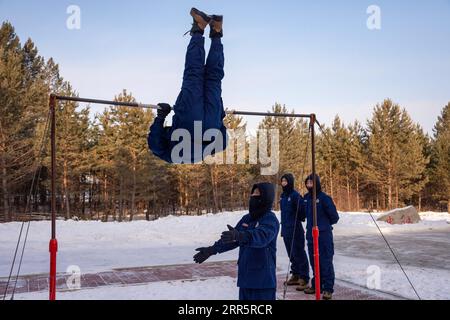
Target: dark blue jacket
<point>257,254</point>
<point>159,142</point>
<point>292,209</point>
<point>327,214</point>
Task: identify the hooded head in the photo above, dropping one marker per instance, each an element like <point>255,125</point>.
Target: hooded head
<point>318,185</point>
<point>259,205</point>
<point>290,182</point>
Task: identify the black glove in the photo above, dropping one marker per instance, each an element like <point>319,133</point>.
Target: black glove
<point>164,110</point>
<point>232,235</point>
<point>203,254</point>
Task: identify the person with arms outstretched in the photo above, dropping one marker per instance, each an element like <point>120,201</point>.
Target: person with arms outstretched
<point>256,237</point>
<point>200,99</point>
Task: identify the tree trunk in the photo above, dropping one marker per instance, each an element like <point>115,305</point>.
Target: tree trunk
<point>420,202</point>
<point>121,199</point>
<point>277,203</point>
<point>448,205</point>
<point>105,197</point>
<point>113,201</point>
<point>133,194</point>
<point>331,181</point>
<point>357,193</point>
<point>396,196</point>
<point>213,184</point>
<point>389,187</point>
<point>232,203</point>
<point>66,191</point>
<point>378,201</point>
<point>5,191</point>
<point>180,192</point>
<point>4,177</point>
<point>186,200</point>
<point>348,194</point>
<point>83,206</point>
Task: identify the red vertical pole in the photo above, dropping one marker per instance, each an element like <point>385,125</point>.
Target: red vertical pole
<point>53,246</point>
<point>314,207</point>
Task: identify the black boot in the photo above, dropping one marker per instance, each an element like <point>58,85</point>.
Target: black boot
<point>201,21</point>
<point>216,25</point>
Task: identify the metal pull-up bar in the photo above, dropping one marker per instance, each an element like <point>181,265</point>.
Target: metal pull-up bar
<point>154,106</point>
<point>53,247</point>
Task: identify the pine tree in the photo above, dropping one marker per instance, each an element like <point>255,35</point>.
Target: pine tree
<point>288,146</point>
<point>357,159</point>
<point>440,163</point>
<point>23,97</point>
<point>123,153</point>
<point>396,159</point>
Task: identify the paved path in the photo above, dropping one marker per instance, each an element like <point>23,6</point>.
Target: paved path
<point>189,272</point>
<point>422,249</point>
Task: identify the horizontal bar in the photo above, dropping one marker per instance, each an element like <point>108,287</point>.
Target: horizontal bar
<point>113,103</point>
<point>152,106</point>
<point>271,114</point>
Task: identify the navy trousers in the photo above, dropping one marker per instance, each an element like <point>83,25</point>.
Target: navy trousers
<point>257,294</point>
<point>326,253</point>
<point>298,257</point>
<point>200,98</point>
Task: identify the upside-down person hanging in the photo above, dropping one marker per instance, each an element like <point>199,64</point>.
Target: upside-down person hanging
<point>197,126</point>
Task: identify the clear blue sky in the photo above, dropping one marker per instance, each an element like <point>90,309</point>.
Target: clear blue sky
<point>313,56</point>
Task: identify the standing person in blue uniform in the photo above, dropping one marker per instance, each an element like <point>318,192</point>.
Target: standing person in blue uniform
<point>256,236</point>
<point>292,216</point>
<point>200,99</point>
<point>327,216</point>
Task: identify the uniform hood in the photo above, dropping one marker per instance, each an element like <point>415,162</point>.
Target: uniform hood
<point>267,191</point>
<point>318,185</point>
<point>291,180</point>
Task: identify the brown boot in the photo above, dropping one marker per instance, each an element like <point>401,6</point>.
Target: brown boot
<point>293,281</point>
<point>201,21</point>
<point>310,290</point>
<point>302,285</point>
<point>216,25</point>
<point>327,295</point>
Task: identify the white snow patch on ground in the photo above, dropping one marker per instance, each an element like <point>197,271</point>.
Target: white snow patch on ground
<point>362,223</point>
<point>222,288</point>
<point>429,283</point>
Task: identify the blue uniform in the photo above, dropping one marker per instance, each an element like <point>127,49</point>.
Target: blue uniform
<point>257,256</point>
<point>292,215</point>
<point>200,100</point>
<point>327,216</point>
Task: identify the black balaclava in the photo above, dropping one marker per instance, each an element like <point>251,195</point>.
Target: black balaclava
<point>318,185</point>
<point>290,186</point>
<point>259,205</point>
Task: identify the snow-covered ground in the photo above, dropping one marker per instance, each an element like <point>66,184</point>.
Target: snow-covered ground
<point>96,246</point>
<point>351,223</point>
<point>223,288</point>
